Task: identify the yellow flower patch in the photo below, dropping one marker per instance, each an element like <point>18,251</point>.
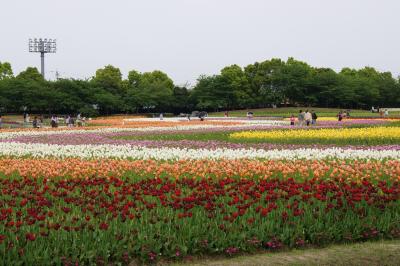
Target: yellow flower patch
<point>325,133</point>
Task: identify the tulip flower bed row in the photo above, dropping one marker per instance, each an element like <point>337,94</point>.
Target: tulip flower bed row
<point>355,136</point>
<point>353,170</point>
<point>13,149</point>
<point>115,220</point>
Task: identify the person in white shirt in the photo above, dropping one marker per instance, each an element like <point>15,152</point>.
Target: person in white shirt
<point>386,112</point>
<point>67,120</point>
<point>54,121</point>
<point>308,118</point>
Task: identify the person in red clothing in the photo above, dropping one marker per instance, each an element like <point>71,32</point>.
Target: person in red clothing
<point>292,120</point>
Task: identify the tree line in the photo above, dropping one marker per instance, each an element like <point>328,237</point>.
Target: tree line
<point>262,84</point>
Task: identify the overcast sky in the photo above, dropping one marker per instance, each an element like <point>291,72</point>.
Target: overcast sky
<point>186,38</point>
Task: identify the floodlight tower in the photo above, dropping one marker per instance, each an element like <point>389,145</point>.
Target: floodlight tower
<point>42,46</point>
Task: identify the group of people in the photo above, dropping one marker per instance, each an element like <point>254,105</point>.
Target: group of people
<point>69,121</point>
<point>382,112</point>
<point>37,122</point>
<point>343,114</point>
<point>304,118</point>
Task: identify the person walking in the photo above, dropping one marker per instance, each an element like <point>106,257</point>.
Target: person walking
<point>54,121</point>
<point>308,118</point>
<point>71,122</point>
<point>79,120</point>
<point>313,118</point>
<point>381,112</point>
<point>386,113</point>
<point>68,120</point>
<point>300,118</point>
<point>35,122</point>
<point>40,121</point>
<point>202,114</point>
<point>292,120</point>
<point>161,116</point>
<point>340,116</point>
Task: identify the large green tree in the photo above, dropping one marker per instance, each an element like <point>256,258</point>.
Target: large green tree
<point>110,79</point>
<point>238,93</point>
<point>5,70</point>
<point>296,76</point>
<point>150,90</point>
<point>267,82</point>
<point>323,88</point>
<point>210,94</point>
<point>180,100</point>
<point>31,74</point>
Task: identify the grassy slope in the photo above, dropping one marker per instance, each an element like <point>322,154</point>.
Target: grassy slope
<point>368,253</point>
<point>288,111</point>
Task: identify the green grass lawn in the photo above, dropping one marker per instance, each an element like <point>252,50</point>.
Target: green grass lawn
<point>288,111</point>
<point>367,253</point>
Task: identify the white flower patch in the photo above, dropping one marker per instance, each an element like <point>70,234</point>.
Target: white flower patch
<point>241,120</point>
<point>165,153</point>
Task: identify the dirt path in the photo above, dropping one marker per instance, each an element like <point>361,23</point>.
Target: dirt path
<point>365,254</point>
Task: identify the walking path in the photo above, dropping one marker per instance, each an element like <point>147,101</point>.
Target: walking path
<point>368,253</point>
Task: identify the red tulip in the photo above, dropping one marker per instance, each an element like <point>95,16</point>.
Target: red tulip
<point>30,236</point>
<point>23,202</point>
<point>66,209</point>
<point>103,226</point>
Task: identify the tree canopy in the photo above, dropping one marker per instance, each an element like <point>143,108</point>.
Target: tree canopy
<point>5,70</point>
<point>262,84</point>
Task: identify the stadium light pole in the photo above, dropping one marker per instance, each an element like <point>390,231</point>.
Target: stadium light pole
<point>42,46</point>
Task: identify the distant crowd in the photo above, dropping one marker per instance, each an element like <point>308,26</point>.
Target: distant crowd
<point>69,121</point>
<point>307,118</point>
<point>304,118</point>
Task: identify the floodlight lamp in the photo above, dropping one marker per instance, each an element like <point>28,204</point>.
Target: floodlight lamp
<point>42,46</point>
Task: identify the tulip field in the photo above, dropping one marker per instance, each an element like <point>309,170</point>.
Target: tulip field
<point>138,189</point>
